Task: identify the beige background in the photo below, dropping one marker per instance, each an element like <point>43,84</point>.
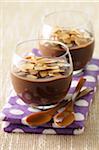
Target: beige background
<point>20,21</point>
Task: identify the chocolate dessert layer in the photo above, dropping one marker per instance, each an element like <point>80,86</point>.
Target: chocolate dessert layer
<point>41,91</point>
<point>81,55</point>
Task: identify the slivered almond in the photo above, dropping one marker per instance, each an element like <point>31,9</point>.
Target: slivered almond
<point>31,77</point>
<point>26,66</point>
<point>54,74</point>
<point>43,73</point>
<point>80,41</point>
<point>53,67</point>
<point>57,70</point>
<point>33,72</point>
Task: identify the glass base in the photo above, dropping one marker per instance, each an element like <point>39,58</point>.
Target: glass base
<point>43,107</point>
<point>78,72</point>
<point>67,98</point>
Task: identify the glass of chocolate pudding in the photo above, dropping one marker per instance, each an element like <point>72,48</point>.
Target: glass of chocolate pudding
<point>74,29</point>
<point>41,79</point>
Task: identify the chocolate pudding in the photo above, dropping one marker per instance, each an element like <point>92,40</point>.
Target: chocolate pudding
<point>82,55</point>
<point>79,41</point>
<point>41,81</point>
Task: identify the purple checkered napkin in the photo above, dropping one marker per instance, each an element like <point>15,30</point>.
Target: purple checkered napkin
<point>16,110</point>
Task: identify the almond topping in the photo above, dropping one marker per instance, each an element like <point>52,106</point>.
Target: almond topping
<point>71,37</point>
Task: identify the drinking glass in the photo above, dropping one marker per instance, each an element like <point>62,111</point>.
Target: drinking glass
<point>74,29</point>
<point>41,72</point>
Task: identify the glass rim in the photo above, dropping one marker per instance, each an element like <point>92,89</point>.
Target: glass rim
<point>54,41</point>
<point>67,52</point>
<point>66,11</point>
<point>84,14</point>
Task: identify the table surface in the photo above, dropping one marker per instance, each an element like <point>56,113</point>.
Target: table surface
<point>21,21</point>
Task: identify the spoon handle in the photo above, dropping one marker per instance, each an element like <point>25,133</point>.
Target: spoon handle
<point>78,88</point>
<point>58,106</point>
<point>84,92</point>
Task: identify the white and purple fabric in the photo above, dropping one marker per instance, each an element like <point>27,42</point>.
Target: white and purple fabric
<point>16,110</point>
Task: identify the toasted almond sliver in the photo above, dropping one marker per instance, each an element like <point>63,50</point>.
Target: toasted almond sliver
<point>80,36</point>
<point>74,31</point>
<point>22,74</point>
<point>45,68</point>
<point>22,67</point>
<point>39,58</point>
<point>39,65</point>
<point>80,41</point>
<point>50,61</point>
<point>68,40</point>
<point>33,72</point>
<point>61,60</point>
<point>57,70</point>
<point>31,77</point>
<point>38,68</point>
<point>43,73</point>
<point>43,61</point>
<point>54,74</point>
<point>66,36</point>
<point>73,37</point>
<point>60,64</point>
<point>26,66</point>
<point>53,67</point>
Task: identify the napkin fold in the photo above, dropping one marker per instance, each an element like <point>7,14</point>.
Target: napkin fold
<point>14,112</point>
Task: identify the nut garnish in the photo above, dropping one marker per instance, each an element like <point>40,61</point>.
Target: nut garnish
<point>71,37</point>
<point>26,66</point>
<point>41,67</point>
<point>43,73</point>
<point>31,76</point>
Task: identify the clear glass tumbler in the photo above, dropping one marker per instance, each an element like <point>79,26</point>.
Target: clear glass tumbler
<point>41,72</point>
<point>74,29</point>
